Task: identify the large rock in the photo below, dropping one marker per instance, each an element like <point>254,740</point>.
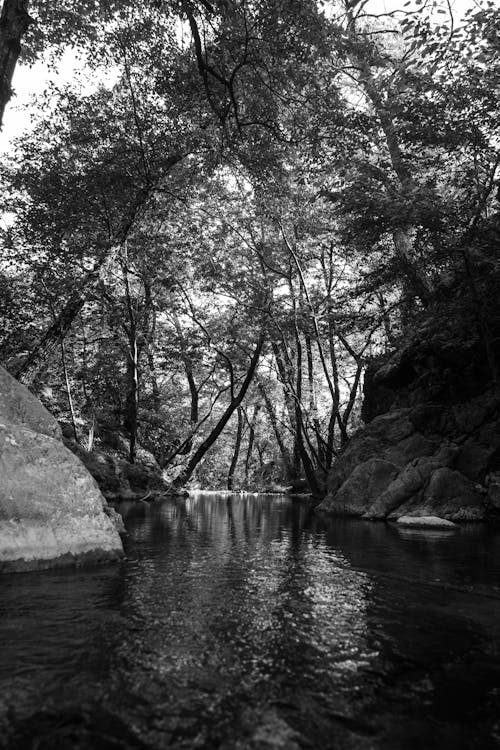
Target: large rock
<point>426,522</point>
<point>450,494</point>
<point>51,509</point>
<point>432,411</point>
<point>364,485</point>
<point>116,477</point>
<point>19,406</point>
<point>384,432</point>
<point>409,482</point>
<point>414,446</point>
<point>493,491</point>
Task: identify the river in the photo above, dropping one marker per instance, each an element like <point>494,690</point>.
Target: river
<point>250,623</point>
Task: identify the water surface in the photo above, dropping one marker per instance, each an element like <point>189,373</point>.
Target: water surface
<point>248,622</point>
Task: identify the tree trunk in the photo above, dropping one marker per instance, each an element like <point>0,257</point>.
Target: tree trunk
<point>193,389</point>
<point>68,389</point>
<point>43,351</point>
<point>251,440</point>
<point>335,416</point>
<point>130,421</point>
<point>45,348</point>
<point>90,441</point>
<point>14,21</point>
<point>309,471</point>
<point>402,236</point>
<point>313,404</point>
<point>271,411</point>
<point>236,452</point>
<point>290,408</point>
<point>150,328</point>
<point>205,446</point>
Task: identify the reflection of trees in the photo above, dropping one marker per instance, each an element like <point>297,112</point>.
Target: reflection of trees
<point>228,603</point>
<point>263,613</point>
<point>430,633</point>
<point>251,601</point>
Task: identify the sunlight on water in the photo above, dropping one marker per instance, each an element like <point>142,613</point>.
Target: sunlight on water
<point>239,618</point>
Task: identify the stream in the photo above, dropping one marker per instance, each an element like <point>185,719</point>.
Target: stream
<point>240,622</point>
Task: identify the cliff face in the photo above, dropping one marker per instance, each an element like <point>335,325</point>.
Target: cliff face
<point>431,443</point>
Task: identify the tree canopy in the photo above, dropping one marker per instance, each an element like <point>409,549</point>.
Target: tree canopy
<point>205,255</point>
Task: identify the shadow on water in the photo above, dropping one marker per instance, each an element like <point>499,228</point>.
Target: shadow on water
<point>249,622</point>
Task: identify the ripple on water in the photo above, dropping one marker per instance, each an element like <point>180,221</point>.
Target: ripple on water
<point>242,622</point>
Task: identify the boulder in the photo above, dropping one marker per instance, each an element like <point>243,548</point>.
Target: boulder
<point>432,410</point>
<point>410,482</point>
<point>432,418</point>
<point>115,518</point>
<point>474,459</point>
<point>366,483</point>
<point>392,427</point>
<point>104,468</point>
<point>451,495</point>
<point>116,477</point>
<point>51,510</point>
<point>19,406</point>
<point>414,446</point>
<point>493,490</point>
<point>475,413</point>
<point>383,432</point>
<point>430,522</point>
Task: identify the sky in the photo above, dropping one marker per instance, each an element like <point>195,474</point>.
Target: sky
<point>29,81</point>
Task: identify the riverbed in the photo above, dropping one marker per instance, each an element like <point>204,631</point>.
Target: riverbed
<point>242,622</point>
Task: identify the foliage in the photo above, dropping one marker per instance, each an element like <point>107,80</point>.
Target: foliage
<point>289,181</point>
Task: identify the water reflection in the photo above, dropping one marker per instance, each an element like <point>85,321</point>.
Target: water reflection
<point>239,620</point>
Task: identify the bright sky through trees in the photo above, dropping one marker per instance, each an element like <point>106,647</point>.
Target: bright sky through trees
<point>372,163</point>
<point>32,80</point>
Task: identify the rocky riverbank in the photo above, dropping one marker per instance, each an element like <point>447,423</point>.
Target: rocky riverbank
<point>431,442</point>
<point>118,479</point>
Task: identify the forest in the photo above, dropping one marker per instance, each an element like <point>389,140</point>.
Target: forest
<point>210,236</point>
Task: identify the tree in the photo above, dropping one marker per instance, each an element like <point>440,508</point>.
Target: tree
<point>14,22</point>
<point>263,200</point>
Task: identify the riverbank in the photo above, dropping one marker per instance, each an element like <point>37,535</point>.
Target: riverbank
<point>431,442</point>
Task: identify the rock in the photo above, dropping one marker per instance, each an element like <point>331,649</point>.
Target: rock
<point>265,730</point>
<point>431,522</point>
<point>51,509</point>
<point>474,458</point>
<point>435,390</point>
<point>118,479</point>
<point>432,419</point>
<point>453,496</point>
<point>114,517</point>
<point>476,412</point>
<point>19,406</point>
<point>409,482</point>
<point>392,427</point>
<point>366,483</point>
<point>371,441</point>
<point>414,446</point>
<point>493,490</point>
<point>273,733</point>
<point>104,468</point>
